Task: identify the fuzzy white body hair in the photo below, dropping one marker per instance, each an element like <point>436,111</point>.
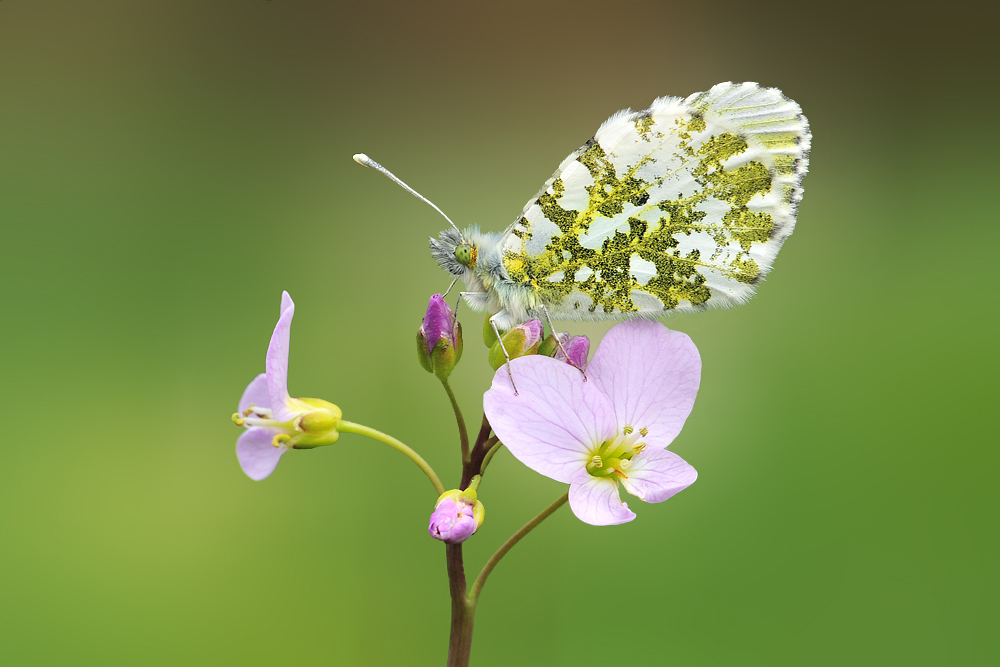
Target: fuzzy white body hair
<point>489,288</point>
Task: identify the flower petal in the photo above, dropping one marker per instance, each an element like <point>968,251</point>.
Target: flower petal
<point>257,456</point>
<point>276,363</point>
<point>651,374</point>
<point>255,394</point>
<point>556,419</point>
<point>595,500</point>
<point>657,474</point>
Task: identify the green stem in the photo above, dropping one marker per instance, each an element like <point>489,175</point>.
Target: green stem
<point>463,433</point>
<point>514,539</point>
<point>350,427</point>
<point>494,444</point>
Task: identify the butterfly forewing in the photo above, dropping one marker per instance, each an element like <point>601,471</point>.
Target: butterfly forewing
<point>682,206</point>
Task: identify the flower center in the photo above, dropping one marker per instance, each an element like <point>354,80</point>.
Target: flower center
<point>314,425</point>
<point>613,457</point>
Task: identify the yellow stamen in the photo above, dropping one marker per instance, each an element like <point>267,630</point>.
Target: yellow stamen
<point>628,430</point>
<point>639,447</point>
<point>280,438</point>
<point>597,462</point>
<point>237,420</point>
<point>644,431</point>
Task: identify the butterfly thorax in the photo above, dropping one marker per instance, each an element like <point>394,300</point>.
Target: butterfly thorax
<point>477,258</point>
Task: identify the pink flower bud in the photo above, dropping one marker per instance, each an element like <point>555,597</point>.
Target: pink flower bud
<point>439,339</point>
<point>577,348</point>
<point>457,515</point>
<point>452,521</point>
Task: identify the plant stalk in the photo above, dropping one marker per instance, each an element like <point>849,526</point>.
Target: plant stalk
<point>462,612</point>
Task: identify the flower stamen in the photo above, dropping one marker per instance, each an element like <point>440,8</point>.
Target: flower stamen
<point>237,420</point>
<point>260,412</point>
<point>280,438</point>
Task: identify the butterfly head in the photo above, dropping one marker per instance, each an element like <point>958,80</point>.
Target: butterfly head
<point>454,252</point>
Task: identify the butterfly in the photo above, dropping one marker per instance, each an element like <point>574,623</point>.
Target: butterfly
<point>680,207</point>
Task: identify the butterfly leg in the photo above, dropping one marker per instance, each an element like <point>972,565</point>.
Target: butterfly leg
<point>559,343</point>
<point>493,323</point>
<point>458,302</point>
<point>448,291</point>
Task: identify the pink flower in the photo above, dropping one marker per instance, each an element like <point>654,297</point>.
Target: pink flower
<point>609,430</point>
<point>274,421</point>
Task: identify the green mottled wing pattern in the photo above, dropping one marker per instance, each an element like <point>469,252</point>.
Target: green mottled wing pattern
<point>683,206</point>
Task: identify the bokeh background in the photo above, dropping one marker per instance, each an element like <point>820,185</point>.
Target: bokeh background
<point>167,168</point>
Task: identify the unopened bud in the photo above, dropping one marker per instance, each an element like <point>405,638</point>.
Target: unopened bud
<point>457,515</point>
<point>577,348</point>
<point>522,340</point>
<point>439,339</point>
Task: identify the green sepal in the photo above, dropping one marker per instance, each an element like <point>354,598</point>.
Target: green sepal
<point>318,421</point>
<point>317,440</point>
<point>549,346</point>
<point>489,336</point>
<point>425,361</point>
<point>514,341</point>
<point>444,357</point>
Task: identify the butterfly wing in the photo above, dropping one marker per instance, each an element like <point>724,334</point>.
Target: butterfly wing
<point>680,207</point>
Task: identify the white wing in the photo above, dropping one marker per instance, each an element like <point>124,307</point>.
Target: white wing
<point>683,206</point>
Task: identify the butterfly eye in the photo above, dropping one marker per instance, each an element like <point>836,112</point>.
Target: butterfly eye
<point>465,254</point>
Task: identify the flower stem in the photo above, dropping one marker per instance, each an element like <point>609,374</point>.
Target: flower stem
<point>463,433</point>
<point>463,612</point>
<point>502,551</point>
<point>350,427</point>
<point>494,444</point>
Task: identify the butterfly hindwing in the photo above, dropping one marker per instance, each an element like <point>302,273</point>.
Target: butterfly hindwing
<point>683,206</point>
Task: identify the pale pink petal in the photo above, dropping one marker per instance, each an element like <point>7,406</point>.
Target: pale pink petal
<point>257,456</point>
<point>651,374</point>
<point>595,500</point>
<point>276,363</point>
<point>556,419</point>
<point>255,394</point>
<point>657,474</point>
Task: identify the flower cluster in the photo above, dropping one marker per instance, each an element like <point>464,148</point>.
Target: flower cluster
<point>597,426</point>
<point>596,432</point>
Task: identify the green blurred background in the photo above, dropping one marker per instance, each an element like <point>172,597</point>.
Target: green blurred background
<point>167,168</point>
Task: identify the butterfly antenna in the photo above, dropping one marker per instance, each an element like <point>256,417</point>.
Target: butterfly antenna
<point>366,161</point>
